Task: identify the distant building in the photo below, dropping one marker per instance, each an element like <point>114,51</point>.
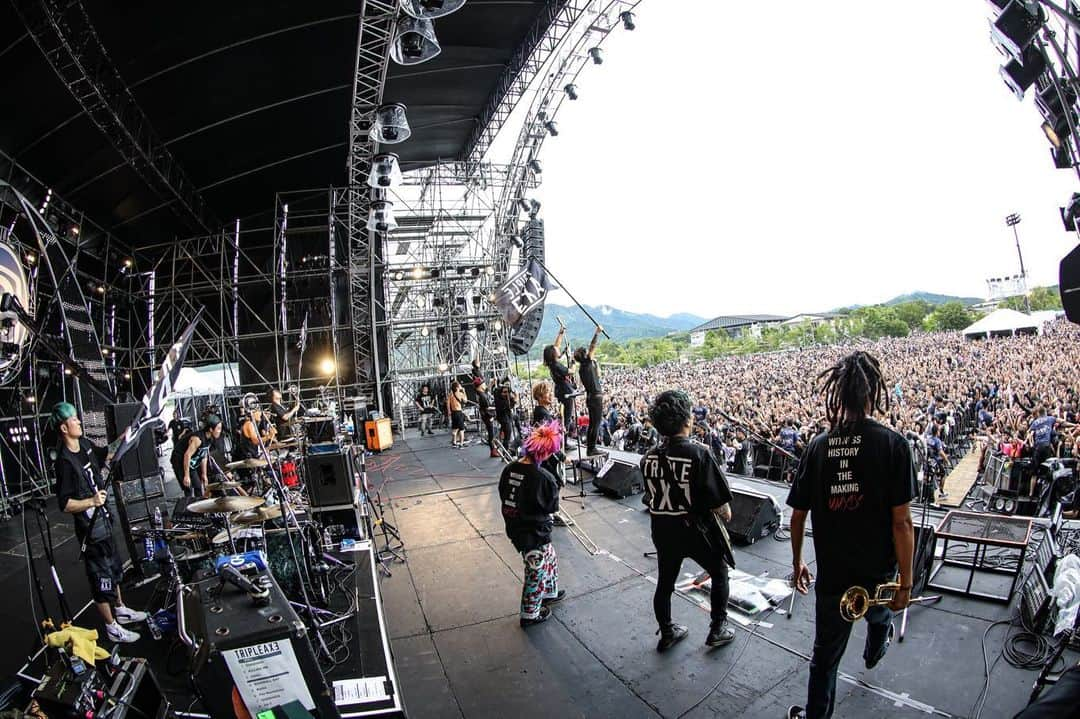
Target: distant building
<point>735,326</point>
<point>814,318</point>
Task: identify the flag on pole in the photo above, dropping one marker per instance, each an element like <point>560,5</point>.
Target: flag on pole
<point>522,292</point>
<point>149,414</point>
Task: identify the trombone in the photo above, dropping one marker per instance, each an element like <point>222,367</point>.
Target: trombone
<point>856,601</point>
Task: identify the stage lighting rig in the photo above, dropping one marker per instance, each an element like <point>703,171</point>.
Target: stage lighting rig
<point>552,128</point>
<point>385,171</point>
<point>597,55</point>
<point>381,217</point>
<point>391,124</point>
<point>1070,212</point>
<point>424,332</point>
<point>327,365</point>
<point>414,42</point>
<point>524,204</point>
<point>627,18</point>
<point>571,91</point>
<point>1061,157</point>
<point>1016,27</point>
<point>534,209</point>
<point>535,166</point>
<point>430,9</point>
<point>1019,76</point>
<point>31,258</point>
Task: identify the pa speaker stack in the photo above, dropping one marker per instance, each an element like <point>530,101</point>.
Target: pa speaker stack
<point>523,337</point>
<point>1069,284</point>
<point>754,516</point>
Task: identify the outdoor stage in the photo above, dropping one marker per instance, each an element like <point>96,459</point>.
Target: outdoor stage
<point>452,614</point>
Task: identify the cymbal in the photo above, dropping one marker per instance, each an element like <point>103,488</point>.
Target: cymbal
<point>223,505</point>
<point>143,532</point>
<point>188,536</point>
<point>221,486</point>
<point>246,464</point>
<point>283,444</point>
<point>246,533</point>
<point>257,516</point>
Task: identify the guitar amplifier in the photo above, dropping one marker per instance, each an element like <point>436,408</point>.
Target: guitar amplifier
<point>754,516</point>
<point>619,479</point>
<point>243,654</point>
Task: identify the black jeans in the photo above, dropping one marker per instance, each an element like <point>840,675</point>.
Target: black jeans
<point>595,404</point>
<point>569,417</point>
<point>488,425</point>
<point>830,640</point>
<point>675,540</point>
<point>506,429</point>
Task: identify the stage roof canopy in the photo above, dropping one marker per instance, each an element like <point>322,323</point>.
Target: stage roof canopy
<point>1003,322</point>
<point>250,98</point>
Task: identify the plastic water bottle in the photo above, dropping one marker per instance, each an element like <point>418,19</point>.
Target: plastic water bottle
<point>152,625</point>
<point>160,548</point>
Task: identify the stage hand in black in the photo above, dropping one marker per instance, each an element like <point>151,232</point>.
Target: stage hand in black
<point>802,578</point>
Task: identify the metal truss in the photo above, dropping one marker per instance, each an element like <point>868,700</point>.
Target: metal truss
<point>377,21</point>
<point>63,32</point>
<point>546,33</point>
<point>438,279</point>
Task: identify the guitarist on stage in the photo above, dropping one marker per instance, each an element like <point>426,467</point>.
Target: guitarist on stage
<point>684,488</point>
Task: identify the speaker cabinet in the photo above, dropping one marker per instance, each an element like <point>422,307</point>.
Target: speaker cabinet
<point>753,516</point>
<point>1069,284</point>
<point>330,479</point>
<point>619,479</point>
<point>140,461</point>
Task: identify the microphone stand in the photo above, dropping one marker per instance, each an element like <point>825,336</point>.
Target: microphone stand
<point>758,438</point>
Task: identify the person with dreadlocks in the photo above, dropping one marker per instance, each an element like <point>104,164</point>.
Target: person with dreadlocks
<point>80,492</point>
<point>530,495</point>
<point>856,480</point>
<point>683,480</point>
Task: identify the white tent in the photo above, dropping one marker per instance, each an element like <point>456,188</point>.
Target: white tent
<point>1003,322</point>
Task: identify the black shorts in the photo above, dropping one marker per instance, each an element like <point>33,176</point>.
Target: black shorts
<point>457,419</point>
<point>104,570</point>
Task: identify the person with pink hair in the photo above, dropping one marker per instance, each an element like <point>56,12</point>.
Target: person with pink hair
<point>530,495</point>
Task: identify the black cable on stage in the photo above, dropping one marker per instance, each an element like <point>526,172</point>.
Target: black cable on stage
<point>734,663</point>
<point>984,694</point>
<point>1027,650</point>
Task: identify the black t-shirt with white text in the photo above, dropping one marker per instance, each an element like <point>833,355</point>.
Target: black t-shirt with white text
<point>426,402</point>
<point>692,483</point>
<point>529,495</point>
<point>78,476</point>
<point>849,480</point>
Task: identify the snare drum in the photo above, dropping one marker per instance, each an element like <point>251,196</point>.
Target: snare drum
<point>193,565</point>
<point>245,539</point>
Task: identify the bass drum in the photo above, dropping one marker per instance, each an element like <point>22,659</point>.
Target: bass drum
<point>279,559</point>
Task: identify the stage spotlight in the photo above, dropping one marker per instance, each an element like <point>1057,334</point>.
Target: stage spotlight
<point>1016,27</point>
<point>74,231</point>
<point>127,263</point>
<point>100,289</point>
<point>398,276</point>
<point>516,241</point>
<point>490,271</point>
<point>523,204</point>
<point>326,365</point>
<point>430,9</point>
<point>443,367</point>
<point>1070,212</point>
<point>627,18</point>
<point>1018,76</point>
<point>999,5</point>
<point>391,124</point>
<point>498,324</point>
<point>68,371</point>
<point>30,399</point>
<point>475,271</point>
<point>434,274</point>
<point>552,128</point>
<point>424,332</point>
<point>534,208</point>
<point>1057,129</point>
<point>1062,159</point>
<point>440,331</point>
<point>597,55</point>
<point>31,258</point>
<point>414,42</point>
<point>417,273</point>
<point>481,326</point>
<point>1049,100</point>
<point>381,218</point>
<point>535,166</point>
<point>571,91</point>
<point>104,351</point>
<point>385,171</point>
<point>127,375</point>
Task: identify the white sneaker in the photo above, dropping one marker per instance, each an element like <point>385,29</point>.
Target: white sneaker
<point>126,615</point>
<point>118,634</point>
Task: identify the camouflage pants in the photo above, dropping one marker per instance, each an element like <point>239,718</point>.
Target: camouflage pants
<point>541,579</point>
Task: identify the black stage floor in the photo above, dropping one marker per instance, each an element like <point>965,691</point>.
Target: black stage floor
<point>452,612</point>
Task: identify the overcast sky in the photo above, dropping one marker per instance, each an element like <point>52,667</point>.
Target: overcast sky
<point>793,156</point>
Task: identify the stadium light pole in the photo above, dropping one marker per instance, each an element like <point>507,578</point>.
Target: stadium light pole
<point>1012,221</point>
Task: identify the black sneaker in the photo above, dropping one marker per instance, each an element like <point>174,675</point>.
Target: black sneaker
<point>670,636</point>
<point>719,635</point>
<point>796,712</point>
<point>559,596</point>
<point>544,614</point>
<point>872,662</point>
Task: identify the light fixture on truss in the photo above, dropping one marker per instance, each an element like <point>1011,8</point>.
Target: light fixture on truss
<point>385,171</point>
<point>430,9</point>
<point>597,55</point>
<point>414,42</point>
<point>391,124</point>
<point>1019,76</point>
<point>1016,27</point>
<point>627,18</point>
<point>571,91</point>
<point>381,216</point>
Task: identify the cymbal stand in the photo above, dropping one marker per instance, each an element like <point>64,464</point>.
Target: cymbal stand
<point>375,520</point>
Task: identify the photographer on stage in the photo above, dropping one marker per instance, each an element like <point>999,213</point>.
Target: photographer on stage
<point>80,492</point>
<point>589,373</point>
<point>857,480</point>
<point>683,479</point>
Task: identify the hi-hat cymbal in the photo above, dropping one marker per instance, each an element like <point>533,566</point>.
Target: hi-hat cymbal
<point>188,536</point>
<point>223,505</point>
<point>283,444</point>
<point>255,463</point>
<point>222,486</point>
<point>143,532</point>
<point>256,516</point>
